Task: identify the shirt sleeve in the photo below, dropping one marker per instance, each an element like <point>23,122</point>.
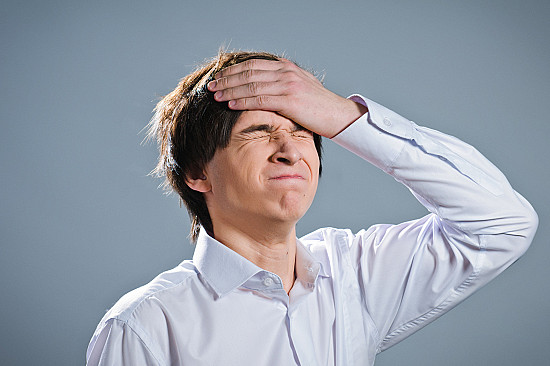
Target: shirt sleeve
<point>118,344</point>
<point>411,273</point>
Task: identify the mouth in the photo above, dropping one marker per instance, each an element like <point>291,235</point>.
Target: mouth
<point>287,177</point>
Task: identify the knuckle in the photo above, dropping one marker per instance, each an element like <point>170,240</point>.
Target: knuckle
<point>293,86</point>
<point>246,75</point>
<point>292,76</point>
<point>251,63</point>
<point>289,65</point>
<point>222,82</point>
<point>283,61</point>
<point>253,88</point>
<point>262,100</point>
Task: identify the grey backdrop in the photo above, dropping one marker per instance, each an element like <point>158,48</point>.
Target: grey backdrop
<point>82,223</point>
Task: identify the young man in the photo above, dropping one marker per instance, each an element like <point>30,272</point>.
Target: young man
<point>239,142</point>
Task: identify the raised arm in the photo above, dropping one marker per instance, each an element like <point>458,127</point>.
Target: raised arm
<point>415,271</point>
<point>411,273</point>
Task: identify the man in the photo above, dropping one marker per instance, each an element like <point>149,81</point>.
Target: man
<point>239,142</point>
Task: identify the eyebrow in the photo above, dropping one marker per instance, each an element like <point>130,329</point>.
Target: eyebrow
<point>260,127</point>
<point>269,128</point>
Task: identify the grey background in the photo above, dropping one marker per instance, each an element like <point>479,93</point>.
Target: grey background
<point>82,223</point>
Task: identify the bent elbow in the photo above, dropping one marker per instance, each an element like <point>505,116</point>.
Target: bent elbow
<point>531,225</point>
<point>503,249</point>
<point>527,222</point>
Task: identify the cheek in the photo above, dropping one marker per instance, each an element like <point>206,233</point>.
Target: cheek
<point>313,162</point>
<point>314,167</point>
<point>237,177</point>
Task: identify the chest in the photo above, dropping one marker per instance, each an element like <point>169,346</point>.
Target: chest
<point>250,327</point>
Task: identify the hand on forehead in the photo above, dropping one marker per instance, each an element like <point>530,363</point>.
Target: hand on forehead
<point>283,87</point>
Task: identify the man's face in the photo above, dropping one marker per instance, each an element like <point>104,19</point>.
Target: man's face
<point>268,173</point>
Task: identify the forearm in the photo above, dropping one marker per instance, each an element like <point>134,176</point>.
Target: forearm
<point>448,176</point>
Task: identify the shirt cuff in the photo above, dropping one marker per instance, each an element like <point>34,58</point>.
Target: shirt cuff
<point>378,136</point>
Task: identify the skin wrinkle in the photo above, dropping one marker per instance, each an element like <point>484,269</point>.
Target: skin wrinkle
<point>259,186</point>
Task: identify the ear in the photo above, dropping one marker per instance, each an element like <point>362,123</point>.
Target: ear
<point>199,184</point>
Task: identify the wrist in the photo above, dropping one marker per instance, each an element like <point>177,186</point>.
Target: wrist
<point>349,113</point>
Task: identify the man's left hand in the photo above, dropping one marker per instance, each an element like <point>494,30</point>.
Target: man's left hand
<point>283,87</point>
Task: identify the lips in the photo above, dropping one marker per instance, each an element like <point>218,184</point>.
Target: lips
<point>287,176</point>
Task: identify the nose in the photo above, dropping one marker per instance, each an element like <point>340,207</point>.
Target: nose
<point>287,151</point>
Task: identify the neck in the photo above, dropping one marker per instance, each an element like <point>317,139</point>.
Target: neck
<point>273,250</point>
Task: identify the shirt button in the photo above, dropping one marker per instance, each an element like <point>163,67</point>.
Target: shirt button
<point>387,121</point>
<point>268,281</point>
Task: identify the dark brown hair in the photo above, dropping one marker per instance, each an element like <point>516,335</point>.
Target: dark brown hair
<point>189,126</point>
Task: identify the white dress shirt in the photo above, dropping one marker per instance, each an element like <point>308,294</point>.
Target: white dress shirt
<point>355,294</point>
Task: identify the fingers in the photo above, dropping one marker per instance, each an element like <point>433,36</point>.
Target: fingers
<point>242,78</point>
<point>257,71</point>
<point>251,84</point>
<point>252,64</point>
<point>254,89</point>
<point>261,102</point>
<point>262,84</point>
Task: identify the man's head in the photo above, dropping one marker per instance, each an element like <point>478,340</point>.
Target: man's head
<point>190,126</point>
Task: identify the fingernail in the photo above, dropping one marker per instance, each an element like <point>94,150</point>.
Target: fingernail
<point>218,94</point>
<point>212,84</point>
<point>232,103</point>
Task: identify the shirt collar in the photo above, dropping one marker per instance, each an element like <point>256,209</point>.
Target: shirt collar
<point>222,268</point>
<point>308,268</point>
<point>225,270</point>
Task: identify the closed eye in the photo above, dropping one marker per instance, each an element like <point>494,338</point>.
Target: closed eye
<point>257,135</point>
<point>302,134</point>
<point>262,131</point>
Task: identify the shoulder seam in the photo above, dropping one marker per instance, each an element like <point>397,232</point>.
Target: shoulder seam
<point>126,313</point>
<point>140,337</point>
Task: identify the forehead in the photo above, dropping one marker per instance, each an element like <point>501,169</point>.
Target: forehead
<point>251,118</point>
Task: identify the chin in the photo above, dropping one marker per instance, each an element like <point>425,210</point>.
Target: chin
<point>295,209</point>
